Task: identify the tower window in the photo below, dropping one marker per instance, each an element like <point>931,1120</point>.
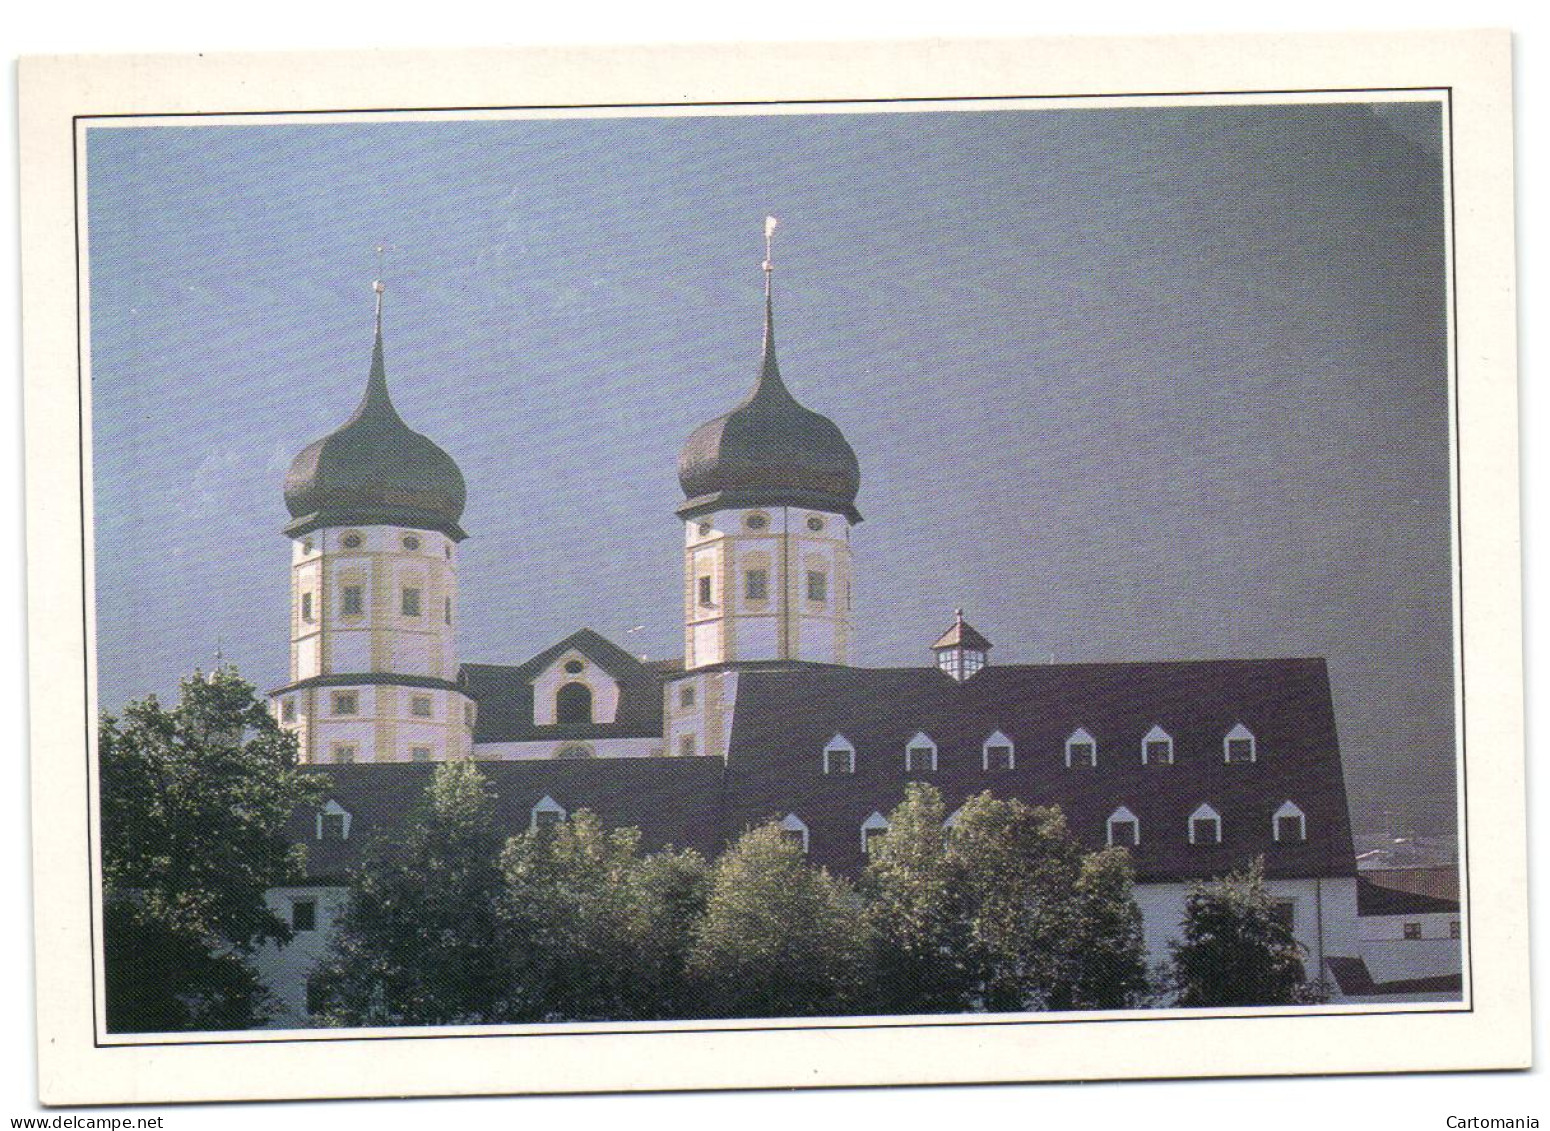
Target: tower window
<point>815,524</point>
<point>756,585</point>
<point>306,547</point>
<point>573,705</point>
<point>704,529</point>
<point>706,593</point>
<point>352,601</point>
<point>306,607</point>
<point>446,611</point>
<point>347,703</point>
<point>304,915</point>
<point>757,521</point>
<point>420,706</point>
<point>410,605</point>
<point>686,746</point>
<point>344,753</point>
<point>575,667</point>
<point>411,542</point>
<point>287,710</point>
<point>686,695</point>
<point>817,586</point>
<point>419,753</point>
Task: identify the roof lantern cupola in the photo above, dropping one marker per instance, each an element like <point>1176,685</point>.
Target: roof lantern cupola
<point>962,650</point>
<point>769,450</point>
<point>374,469</point>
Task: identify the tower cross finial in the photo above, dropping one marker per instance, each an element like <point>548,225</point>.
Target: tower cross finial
<point>770,224</point>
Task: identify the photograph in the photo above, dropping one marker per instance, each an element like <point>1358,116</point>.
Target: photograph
<point>969,568</point>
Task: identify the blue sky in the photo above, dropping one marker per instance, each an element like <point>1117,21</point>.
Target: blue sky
<point>1146,383</point>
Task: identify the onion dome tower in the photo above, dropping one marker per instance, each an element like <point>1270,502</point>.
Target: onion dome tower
<point>375,508</point>
<point>770,493</point>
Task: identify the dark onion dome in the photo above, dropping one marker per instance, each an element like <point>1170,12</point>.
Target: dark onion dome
<point>375,470</point>
<point>769,451</point>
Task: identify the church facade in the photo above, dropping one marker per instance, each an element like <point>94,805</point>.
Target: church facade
<point>1197,767</point>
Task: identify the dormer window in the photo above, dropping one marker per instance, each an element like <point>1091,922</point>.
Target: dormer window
<point>794,831</point>
<point>1081,749</point>
<point>1290,825</point>
<point>998,753</point>
<point>546,814</point>
<point>920,755</point>
<point>1124,829</point>
<point>333,822</point>
<point>1157,748</point>
<point>873,829</point>
<point>953,818</point>
<point>839,756</point>
<point>1205,826</point>
<point>1239,745</point>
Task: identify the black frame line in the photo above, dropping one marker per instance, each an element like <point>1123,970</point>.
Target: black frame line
<point>959,1020</point>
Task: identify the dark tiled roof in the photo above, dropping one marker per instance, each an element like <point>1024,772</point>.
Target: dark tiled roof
<point>1355,980</point>
<point>1439,881</point>
<point>374,468</point>
<point>769,451</point>
<point>505,694</point>
<point>784,720</point>
<point>1374,898</point>
<point>671,800</point>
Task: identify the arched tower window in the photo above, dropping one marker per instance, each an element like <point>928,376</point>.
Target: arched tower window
<point>573,704</point>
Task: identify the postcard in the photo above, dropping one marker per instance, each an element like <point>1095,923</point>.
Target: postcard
<point>646,570</point>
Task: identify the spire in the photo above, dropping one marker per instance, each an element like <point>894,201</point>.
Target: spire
<point>769,372</point>
<point>376,402</point>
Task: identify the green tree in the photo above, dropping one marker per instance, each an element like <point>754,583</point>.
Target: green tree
<point>1235,949</point>
<point>779,938</point>
<point>916,913</point>
<point>1108,968</point>
<point>598,931</point>
<point>421,941</point>
<point>195,801</point>
<point>1016,867</point>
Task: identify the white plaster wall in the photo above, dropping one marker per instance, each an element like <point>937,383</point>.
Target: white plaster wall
<point>1391,957</point>
<point>758,638</point>
<point>707,644</point>
<point>819,638</point>
<point>650,747</point>
<point>307,656</point>
<point>352,650</point>
<point>412,655</point>
<point>285,969</point>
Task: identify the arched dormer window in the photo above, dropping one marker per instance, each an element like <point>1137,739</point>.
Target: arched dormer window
<point>546,814</point>
<point>920,754</point>
<point>573,705</point>
<point>795,832</point>
<point>873,829</point>
<point>333,822</point>
<point>1124,828</point>
<point>1290,825</point>
<point>1157,748</point>
<point>1205,826</point>
<point>1239,745</point>
<point>1081,749</point>
<point>839,756</point>
<point>998,753</point>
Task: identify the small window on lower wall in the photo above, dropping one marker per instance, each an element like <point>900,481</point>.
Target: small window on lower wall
<point>1412,930</point>
<point>419,753</point>
<point>304,914</point>
<point>686,746</point>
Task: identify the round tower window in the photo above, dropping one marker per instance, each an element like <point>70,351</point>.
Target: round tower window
<point>704,529</point>
<point>574,666</point>
<point>306,547</point>
<point>815,523</point>
<point>757,521</point>
<point>411,543</point>
<point>351,541</point>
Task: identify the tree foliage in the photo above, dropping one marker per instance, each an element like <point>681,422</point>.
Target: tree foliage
<point>779,938</point>
<point>422,941</point>
<point>1235,950</point>
<point>195,801</point>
